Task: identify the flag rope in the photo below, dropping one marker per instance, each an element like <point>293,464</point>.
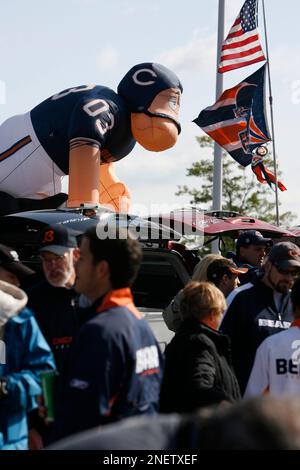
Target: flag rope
<point>271,115</point>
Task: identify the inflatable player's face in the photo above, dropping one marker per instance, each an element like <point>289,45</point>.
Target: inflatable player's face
<point>152,93</point>
<point>157,129</point>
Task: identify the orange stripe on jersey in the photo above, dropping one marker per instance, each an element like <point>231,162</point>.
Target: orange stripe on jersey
<point>150,371</point>
<point>296,323</point>
<point>119,298</point>
<point>62,340</point>
<point>266,391</point>
<point>111,403</point>
<point>17,146</point>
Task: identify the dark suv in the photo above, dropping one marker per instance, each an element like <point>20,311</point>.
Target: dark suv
<point>167,264</point>
<point>166,267</point>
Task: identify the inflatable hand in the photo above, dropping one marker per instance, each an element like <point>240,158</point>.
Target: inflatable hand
<point>113,193</point>
<point>116,197</point>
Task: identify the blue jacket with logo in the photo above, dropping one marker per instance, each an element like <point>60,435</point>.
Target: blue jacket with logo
<point>251,317</point>
<point>26,355</point>
<point>116,367</point>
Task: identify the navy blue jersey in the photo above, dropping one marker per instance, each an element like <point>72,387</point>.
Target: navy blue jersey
<point>115,368</point>
<point>85,115</point>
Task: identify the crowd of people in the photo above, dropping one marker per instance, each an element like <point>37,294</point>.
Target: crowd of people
<point>236,326</point>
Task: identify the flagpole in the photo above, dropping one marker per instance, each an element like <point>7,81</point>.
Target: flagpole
<point>271,114</point>
<point>218,170</point>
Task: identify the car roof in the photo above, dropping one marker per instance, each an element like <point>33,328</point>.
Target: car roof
<point>213,223</point>
<point>139,227</point>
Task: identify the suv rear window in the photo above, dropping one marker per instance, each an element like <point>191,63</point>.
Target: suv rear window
<point>162,274</point>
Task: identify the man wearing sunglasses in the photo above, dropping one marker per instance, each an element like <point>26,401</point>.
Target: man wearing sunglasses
<point>261,308</point>
<point>54,300</point>
<point>55,304</point>
<point>276,368</point>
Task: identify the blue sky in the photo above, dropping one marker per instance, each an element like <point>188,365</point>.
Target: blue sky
<point>48,46</point>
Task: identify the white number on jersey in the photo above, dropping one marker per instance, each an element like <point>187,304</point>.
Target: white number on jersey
<point>296,354</point>
<point>98,107</point>
<point>76,89</point>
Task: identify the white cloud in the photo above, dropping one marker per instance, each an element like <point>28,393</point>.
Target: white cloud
<point>232,10</point>
<point>108,58</point>
<point>198,53</point>
<point>85,2</point>
<point>130,9</point>
<point>285,61</point>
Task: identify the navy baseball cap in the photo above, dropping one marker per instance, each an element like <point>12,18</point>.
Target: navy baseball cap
<point>57,239</point>
<point>143,82</point>
<point>9,260</point>
<point>285,255</point>
<point>219,267</point>
<point>252,237</point>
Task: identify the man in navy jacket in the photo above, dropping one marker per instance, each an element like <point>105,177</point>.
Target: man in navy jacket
<point>116,363</point>
<point>262,308</point>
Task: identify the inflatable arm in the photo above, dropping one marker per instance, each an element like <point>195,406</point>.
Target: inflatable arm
<point>84,176</point>
<point>92,183</point>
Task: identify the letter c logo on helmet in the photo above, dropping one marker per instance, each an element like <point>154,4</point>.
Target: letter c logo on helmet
<point>144,83</point>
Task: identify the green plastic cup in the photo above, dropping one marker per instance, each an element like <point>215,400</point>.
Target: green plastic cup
<point>48,386</point>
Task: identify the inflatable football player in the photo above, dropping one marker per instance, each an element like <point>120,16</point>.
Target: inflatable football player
<point>80,132</point>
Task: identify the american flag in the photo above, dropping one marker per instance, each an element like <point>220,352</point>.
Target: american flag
<point>242,46</point>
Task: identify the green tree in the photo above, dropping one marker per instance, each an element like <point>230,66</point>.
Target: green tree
<point>242,192</point>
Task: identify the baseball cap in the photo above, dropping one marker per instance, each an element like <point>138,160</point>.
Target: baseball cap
<point>252,237</point>
<point>285,255</point>
<point>57,239</point>
<point>217,268</point>
<point>9,260</point>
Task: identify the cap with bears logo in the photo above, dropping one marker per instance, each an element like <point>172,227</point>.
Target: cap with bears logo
<point>57,239</point>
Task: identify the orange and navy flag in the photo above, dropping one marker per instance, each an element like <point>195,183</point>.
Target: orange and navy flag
<point>242,46</point>
<point>238,123</point>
